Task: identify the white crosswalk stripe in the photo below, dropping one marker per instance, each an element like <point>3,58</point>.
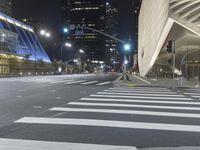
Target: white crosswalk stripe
<point>141,91</point>
<point>106,123</point>
<point>74,82</point>
<point>16,144</point>
<point>141,97</point>
<point>104,83</point>
<point>63,81</point>
<point>141,101</point>
<point>143,94</point>
<point>90,82</point>
<point>104,108</point>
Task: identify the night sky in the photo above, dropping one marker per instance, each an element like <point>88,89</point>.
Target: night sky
<point>48,13</point>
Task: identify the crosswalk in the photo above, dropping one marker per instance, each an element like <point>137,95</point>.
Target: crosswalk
<point>162,104</point>
<point>195,93</point>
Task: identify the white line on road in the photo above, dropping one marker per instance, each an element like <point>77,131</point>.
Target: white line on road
<point>131,91</point>
<point>141,101</point>
<point>142,89</point>
<point>113,124</point>
<point>104,83</point>
<point>138,87</point>
<point>133,106</point>
<point>143,94</point>
<point>63,81</point>
<point>74,82</point>
<point>16,144</point>
<point>141,97</point>
<point>91,82</point>
<point>192,93</point>
<point>145,81</point>
<point>132,112</point>
<point>196,96</point>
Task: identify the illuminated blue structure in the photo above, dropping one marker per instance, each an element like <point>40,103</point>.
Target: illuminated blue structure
<point>20,39</point>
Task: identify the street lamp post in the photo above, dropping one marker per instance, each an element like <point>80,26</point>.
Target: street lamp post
<point>127,48</point>
<point>66,44</point>
<point>45,34</point>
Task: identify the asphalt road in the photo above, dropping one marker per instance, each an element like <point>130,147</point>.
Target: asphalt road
<point>90,109</point>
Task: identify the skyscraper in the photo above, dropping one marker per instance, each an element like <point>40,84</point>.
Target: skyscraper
<point>111,46</point>
<point>6,7</point>
<point>86,13</point>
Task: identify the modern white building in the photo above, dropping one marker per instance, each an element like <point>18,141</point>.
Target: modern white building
<point>161,21</point>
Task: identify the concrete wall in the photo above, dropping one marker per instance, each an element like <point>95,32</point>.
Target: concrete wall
<point>153,18</point>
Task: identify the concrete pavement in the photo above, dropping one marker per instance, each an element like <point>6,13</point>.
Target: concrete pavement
<point>89,112</point>
<point>136,80</point>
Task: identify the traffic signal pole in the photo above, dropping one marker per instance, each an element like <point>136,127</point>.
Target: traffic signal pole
<point>174,59</point>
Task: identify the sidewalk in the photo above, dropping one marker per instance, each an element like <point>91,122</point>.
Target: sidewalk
<point>136,80</point>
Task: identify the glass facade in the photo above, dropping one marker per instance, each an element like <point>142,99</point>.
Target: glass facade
<point>27,41</point>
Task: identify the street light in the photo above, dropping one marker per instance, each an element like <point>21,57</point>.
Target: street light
<point>81,51</point>
<point>48,34</point>
<point>127,47</point>
<point>44,33</point>
<point>66,44</point>
<point>65,30</point>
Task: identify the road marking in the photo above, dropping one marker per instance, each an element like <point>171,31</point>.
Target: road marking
<point>142,97</point>
<point>145,81</point>
<point>132,89</point>
<point>61,81</point>
<point>141,101</point>
<point>104,83</point>
<point>112,124</point>
<point>153,88</point>
<point>17,144</point>
<point>133,106</point>
<point>91,82</point>
<point>129,91</point>
<point>58,98</point>
<point>74,82</point>
<point>132,112</point>
<point>143,94</point>
<point>195,94</point>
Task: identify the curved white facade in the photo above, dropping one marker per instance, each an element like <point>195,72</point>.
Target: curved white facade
<point>156,21</point>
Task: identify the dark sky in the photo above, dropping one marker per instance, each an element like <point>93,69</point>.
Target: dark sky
<point>48,13</point>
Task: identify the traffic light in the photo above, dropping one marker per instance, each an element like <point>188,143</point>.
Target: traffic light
<point>170,46</point>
